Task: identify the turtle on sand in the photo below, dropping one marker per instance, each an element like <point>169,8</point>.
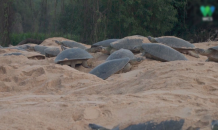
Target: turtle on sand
<point>94,49</point>
<point>105,43</point>
<point>40,49</point>
<point>160,52</point>
<point>124,53</point>
<point>14,53</point>
<point>126,43</point>
<point>29,55</point>
<point>52,51</point>
<point>72,57</point>
<point>110,67</point>
<point>211,53</point>
<point>73,44</point>
<point>176,43</point>
<point>14,47</point>
<point>70,44</point>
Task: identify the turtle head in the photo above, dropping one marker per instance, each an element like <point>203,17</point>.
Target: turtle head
<point>94,49</point>
<point>151,39</point>
<point>137,48</point>
<point>58,42</point>
<point>137,60</point>
<point>104,50</point>
<point>98,49</point>
<point>204,52</point>
<point>63,48</point>
<point>200,51</point>
<point>29,47</point>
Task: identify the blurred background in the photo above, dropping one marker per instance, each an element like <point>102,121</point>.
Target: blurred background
<point>89,21</point>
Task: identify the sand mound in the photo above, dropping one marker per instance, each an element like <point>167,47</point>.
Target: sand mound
<point>38,94</point>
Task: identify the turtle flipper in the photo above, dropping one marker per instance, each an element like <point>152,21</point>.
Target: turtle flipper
<point>97,127</point>
<point>127,67</point>
<point>85,64</point>
<point>143,53</point>
<point>63,47</point>
<point>73,64</point>
<point>112,50</point>
<point>106,50</point>
<point>91,50</point>
<point>194,54</point>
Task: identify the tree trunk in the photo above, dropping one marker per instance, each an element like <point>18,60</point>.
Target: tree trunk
<point>6,19</point>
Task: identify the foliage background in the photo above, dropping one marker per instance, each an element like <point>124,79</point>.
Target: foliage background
<point>89,21</point>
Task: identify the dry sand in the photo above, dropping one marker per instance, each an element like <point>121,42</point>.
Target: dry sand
<point>41,95</point>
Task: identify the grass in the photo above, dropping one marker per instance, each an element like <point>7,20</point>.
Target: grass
<point>16,38</point>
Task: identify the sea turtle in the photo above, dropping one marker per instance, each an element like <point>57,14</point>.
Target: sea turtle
<point>150,125</point>
<point>14,47</point>
<point>211,53</point>
<point>40,49</point>
<point>52,51</point>
<point>14,53</point>
<point>110,67</point>
<point>178,44</point>
<point>160,52</point>
<point>123,53</point>
<point>73,44</point>
<point>126,43</point>
<point>72,57</point>
<point>105,43</point>
<point>70,44</point>
<point>25,47</point>
<point>29,55</point>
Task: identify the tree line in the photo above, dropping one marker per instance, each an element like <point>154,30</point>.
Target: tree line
<point>89,21</point>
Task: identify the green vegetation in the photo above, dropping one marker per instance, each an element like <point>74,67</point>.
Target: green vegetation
<point>89,21</point>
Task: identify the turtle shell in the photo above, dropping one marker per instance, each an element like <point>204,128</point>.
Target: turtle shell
<point>122,53</point>
<point>163,52</point>
<point>72,54</point>
<point>15,53</point>
<point>40,49</point>
<point>52,51</point>
<point>214,48</point>
<point>14,47</point>
<point>104,43</point>
<point>27,54</point>
<point>72,44</point>
<point>25,47</point>
<point>129,42</point>
<point>164,125</point>
<point>110,67</point>
<point>175,42</point>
